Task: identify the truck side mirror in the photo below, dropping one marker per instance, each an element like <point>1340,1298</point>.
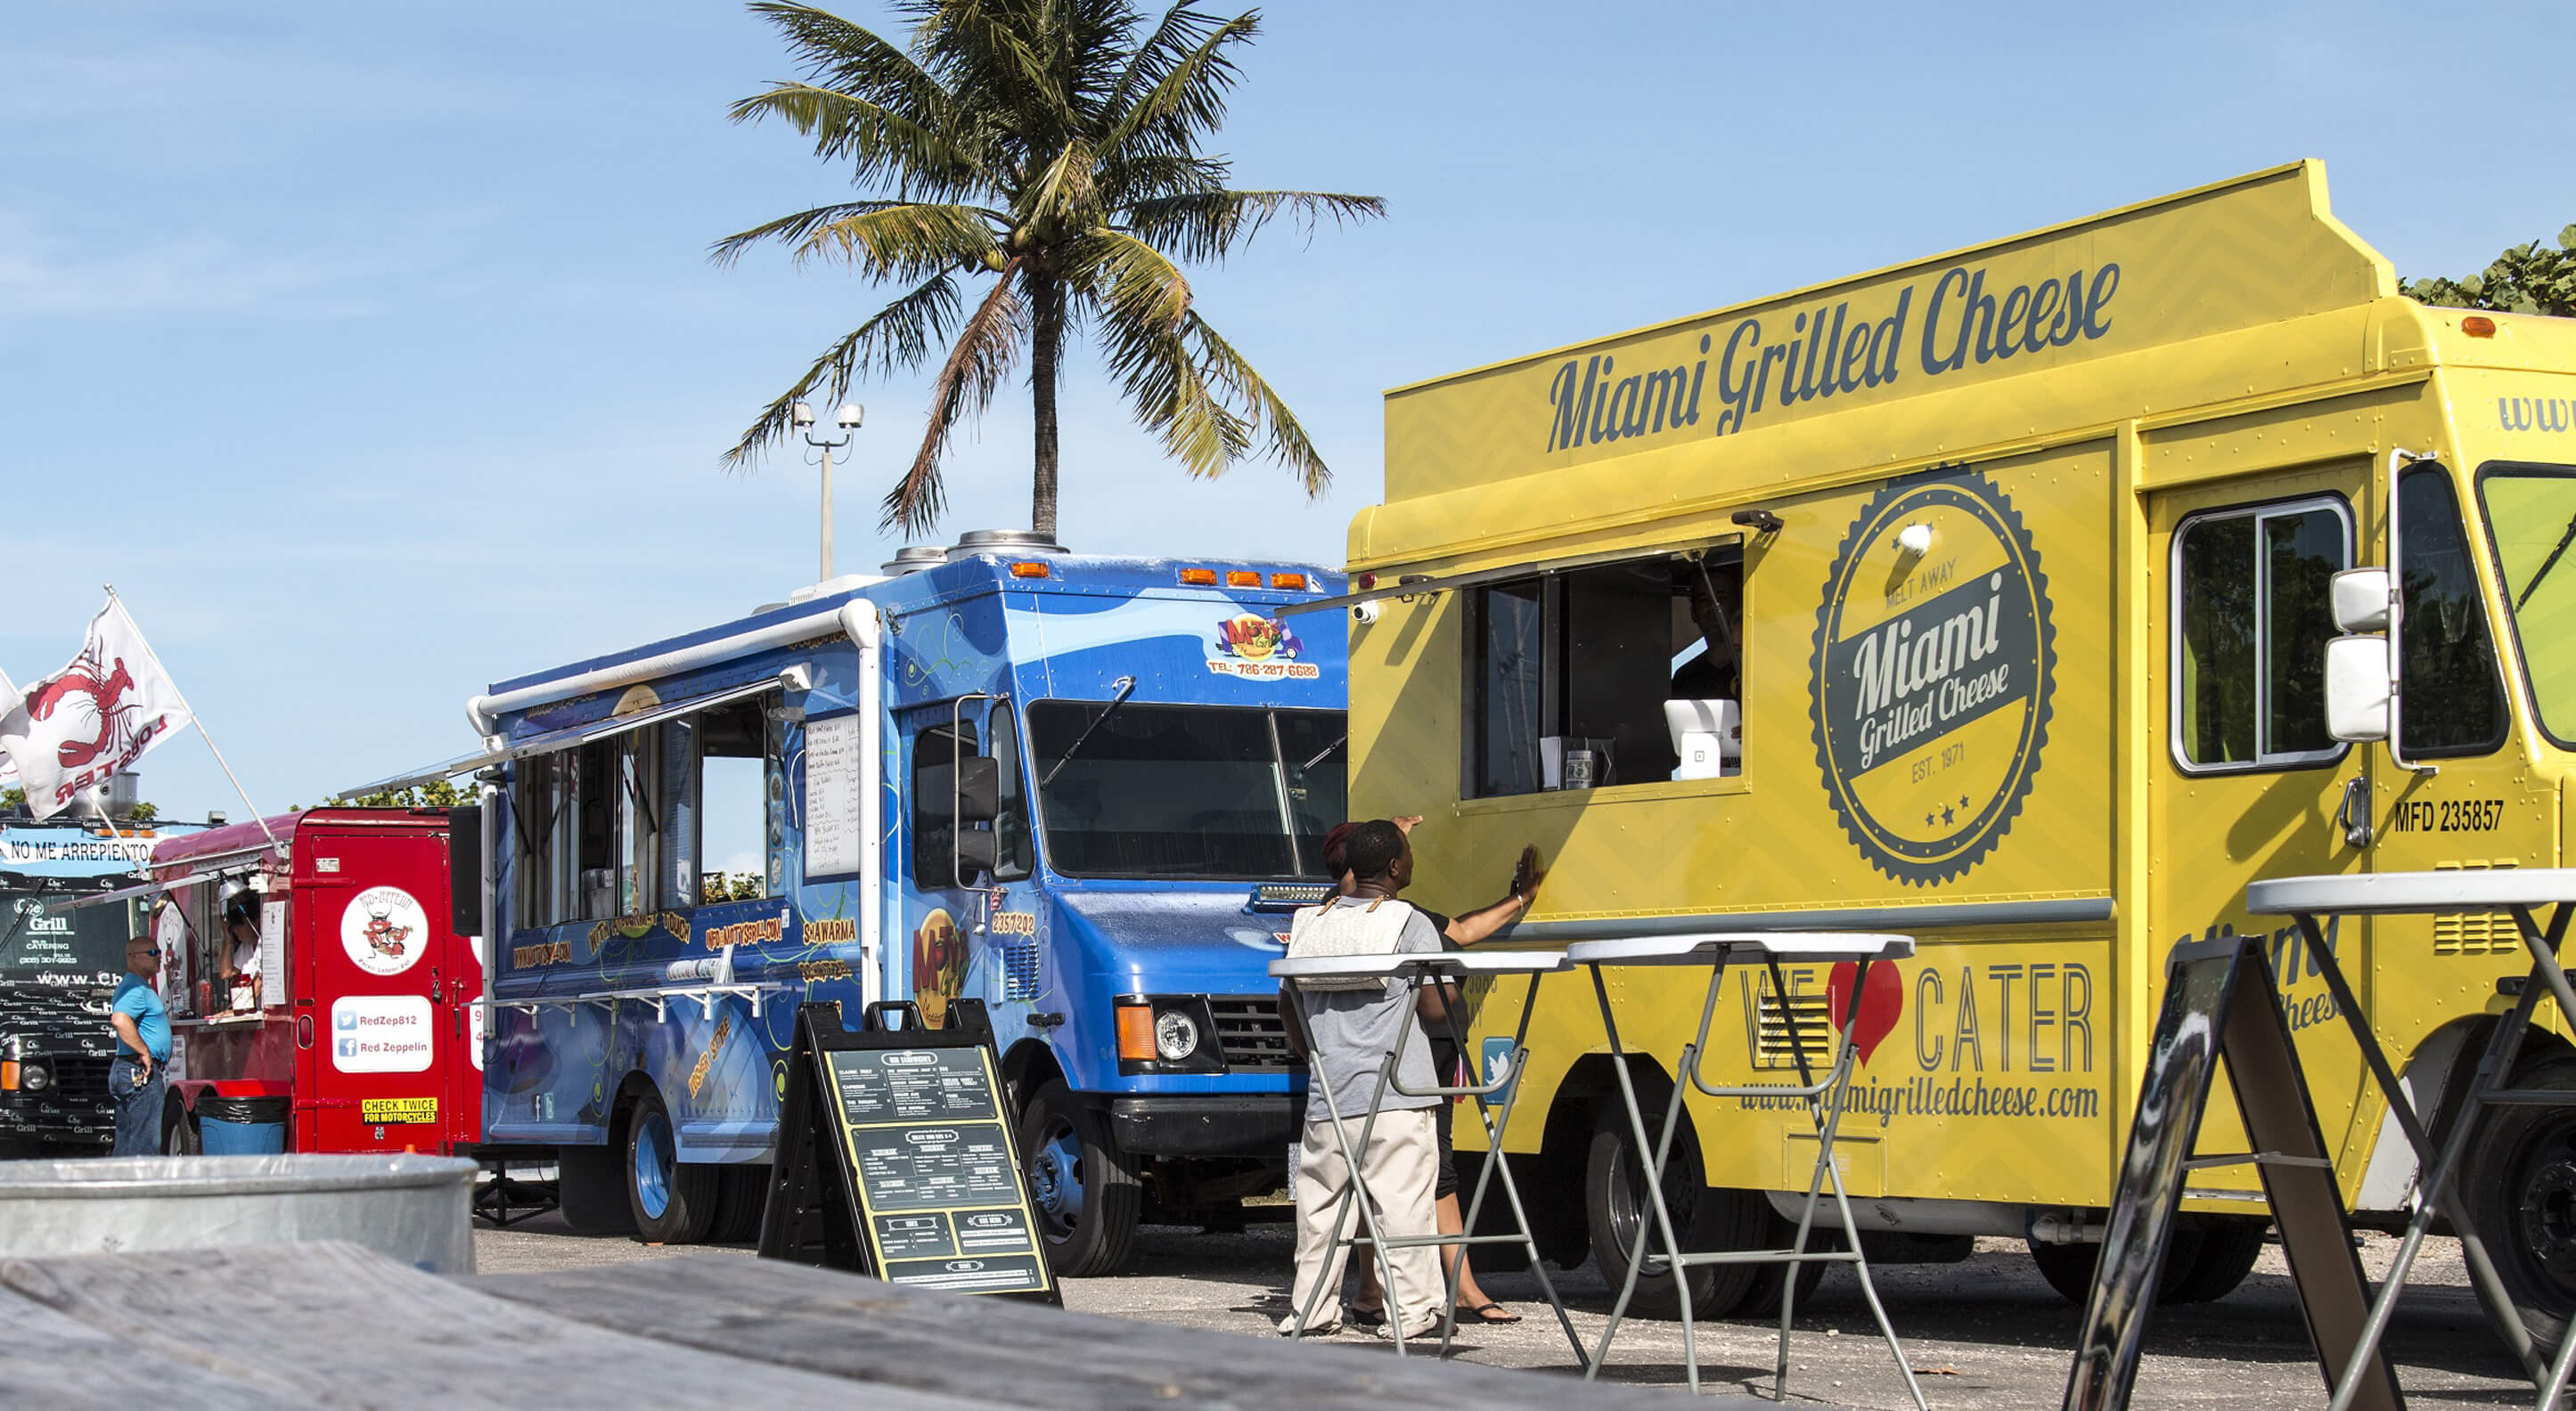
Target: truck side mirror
<point>977,851</point>
<point>2360,679</point>
<point>2361,600</point>
<point>978,789</point>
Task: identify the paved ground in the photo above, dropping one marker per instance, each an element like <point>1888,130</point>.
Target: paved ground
<point>1984,1333</point>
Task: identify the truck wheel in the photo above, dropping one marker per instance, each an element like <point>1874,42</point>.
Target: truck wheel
<point>1762,1295</point>
<point>1088,1197</point>
<point>742,1194</point>
<point>674,1201</point>
<point>1614,1191</point>
<point>590,1190</point>
<point>2069,1267</point>
<point>2520,1190</point>
<point>179,1135</point>
<point>2227,1254</point>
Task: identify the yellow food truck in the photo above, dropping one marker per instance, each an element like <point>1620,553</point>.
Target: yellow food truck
<point>1986,599</point>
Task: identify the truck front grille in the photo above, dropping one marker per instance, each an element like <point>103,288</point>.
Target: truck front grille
<point>1249,1031</point>
<point>80,1075</point>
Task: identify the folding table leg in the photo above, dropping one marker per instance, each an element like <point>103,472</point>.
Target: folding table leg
<point>1496,1163</point>
<point>2502,1045</point>
<point>1354,1190</point>
<point>2473,1249</point>
<point>1660,1219</point>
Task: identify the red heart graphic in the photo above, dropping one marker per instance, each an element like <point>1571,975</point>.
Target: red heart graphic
<point>1880,1003</point>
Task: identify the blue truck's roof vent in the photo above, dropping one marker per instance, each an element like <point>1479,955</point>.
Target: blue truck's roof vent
<point>913,558</point>
<point>1003,541</point>
<point>1288,896</point>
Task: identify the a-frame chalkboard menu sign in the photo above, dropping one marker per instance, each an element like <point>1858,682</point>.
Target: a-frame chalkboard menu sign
<point>895,1157</point>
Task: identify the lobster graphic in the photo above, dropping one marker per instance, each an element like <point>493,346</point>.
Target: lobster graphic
<point>383,936</point>
<point>104,693</point>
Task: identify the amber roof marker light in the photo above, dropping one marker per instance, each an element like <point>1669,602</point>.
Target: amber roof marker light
<point>1288,580</point>
<point>1028,570</point>
<point>1199,577</point>
<point>2478,326</point>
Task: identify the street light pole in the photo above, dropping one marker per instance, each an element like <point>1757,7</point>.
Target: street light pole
<point>802,417</point>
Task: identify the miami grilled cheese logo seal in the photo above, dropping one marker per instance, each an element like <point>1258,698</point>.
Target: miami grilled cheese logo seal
<point>1934,664</point>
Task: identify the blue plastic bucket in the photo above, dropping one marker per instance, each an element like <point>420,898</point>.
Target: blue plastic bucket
<point>241,1126</point>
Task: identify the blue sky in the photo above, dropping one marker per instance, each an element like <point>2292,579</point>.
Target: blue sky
<point>372,351</point>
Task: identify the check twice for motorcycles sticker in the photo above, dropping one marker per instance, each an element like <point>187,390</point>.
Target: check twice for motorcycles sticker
<point>1934,662</point>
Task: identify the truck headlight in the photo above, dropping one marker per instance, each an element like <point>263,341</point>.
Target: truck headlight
<point>35,1075</point>
<point>1175,1037</point>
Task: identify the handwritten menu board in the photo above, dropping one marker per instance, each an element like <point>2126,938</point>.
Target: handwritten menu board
<point>833,847</point>
<point>942,1201</point>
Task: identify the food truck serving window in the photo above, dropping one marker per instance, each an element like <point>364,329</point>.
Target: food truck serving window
<point>1169,791</point>
<point>2253,611</point>
<point>1570,672</point>
<point>670,815</point>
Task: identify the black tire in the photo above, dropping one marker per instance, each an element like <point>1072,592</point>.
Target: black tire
<point>2069,1267</point>
<point>1762,1295</point>
<point>673,1201</point>
<point>2227,1254</point>
<point>2520,1190</point>
<point>179,1135</point>
<point>590,1190</point>
<point>1087,1194</point>
<point>1614,1188</point>
<point>742,1195</point>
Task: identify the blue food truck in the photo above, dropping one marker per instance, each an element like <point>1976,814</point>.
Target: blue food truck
<point>1084,791</point>
<point>59,967</point>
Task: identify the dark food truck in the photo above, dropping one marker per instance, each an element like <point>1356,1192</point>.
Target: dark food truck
<point>350,1022</point>
<point>59,966</point>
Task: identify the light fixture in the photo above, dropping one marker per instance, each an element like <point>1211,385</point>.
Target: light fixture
<point>801,415</point>
<point>1175,1037</point>
<point>848,416</point>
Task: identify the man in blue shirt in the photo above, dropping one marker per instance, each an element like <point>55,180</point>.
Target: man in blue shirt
<point>135,1079</point>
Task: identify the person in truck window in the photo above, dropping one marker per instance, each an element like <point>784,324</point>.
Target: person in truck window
<point>239,954</point>
<point>1351,1032</point>
<point>1368,1305</point>
<point>1715,674</point>
<point>142,1045</point>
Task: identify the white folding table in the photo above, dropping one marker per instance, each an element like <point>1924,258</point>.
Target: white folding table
<point>2519,892</point>
<point>1824,1098</point>
<point>1414,970</point>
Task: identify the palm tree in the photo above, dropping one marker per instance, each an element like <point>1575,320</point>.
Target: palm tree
<point>1052,148</point>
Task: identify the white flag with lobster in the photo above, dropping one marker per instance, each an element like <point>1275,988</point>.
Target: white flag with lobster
<point>82,725</point>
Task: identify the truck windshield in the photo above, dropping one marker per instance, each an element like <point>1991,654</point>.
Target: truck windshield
<point>2531,518</point>
<point>44,943</point>
<point>1168,791</point>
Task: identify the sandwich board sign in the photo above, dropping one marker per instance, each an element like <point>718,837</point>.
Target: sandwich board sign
<point>895,1157</point>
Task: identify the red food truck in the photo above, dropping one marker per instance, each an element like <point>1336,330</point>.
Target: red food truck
<point>323,983</point>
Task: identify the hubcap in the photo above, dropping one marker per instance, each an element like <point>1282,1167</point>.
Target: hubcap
<point>653,1154</point>
<point>1055,1177</point>
<point>1628,1205</point>
<point>2547,1214</point>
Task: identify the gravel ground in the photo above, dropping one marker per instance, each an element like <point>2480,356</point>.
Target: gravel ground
<point>1984,1333</point>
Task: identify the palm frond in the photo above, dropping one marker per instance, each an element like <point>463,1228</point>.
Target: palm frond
<point>977,363</point>
<point>1133,283</point>
<point>1289,444</point>
<point>1181,30</point>
<point>1208,225</point>
<point>1062,197</point>
<point>898,335</point>
<point>851,57</point>
<point>1172,397</point>
<point>1189,100</point>
<point>895,240</point>
<point>882,145</point>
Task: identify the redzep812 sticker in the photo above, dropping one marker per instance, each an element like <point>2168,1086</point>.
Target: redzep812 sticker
<point>1934,660</point>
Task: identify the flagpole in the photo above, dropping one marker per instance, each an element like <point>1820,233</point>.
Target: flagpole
<point>197,721</point>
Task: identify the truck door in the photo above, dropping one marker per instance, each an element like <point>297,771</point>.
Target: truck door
<point>380,964</point>
<point>969,839</point>
<point>2244,781</point>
